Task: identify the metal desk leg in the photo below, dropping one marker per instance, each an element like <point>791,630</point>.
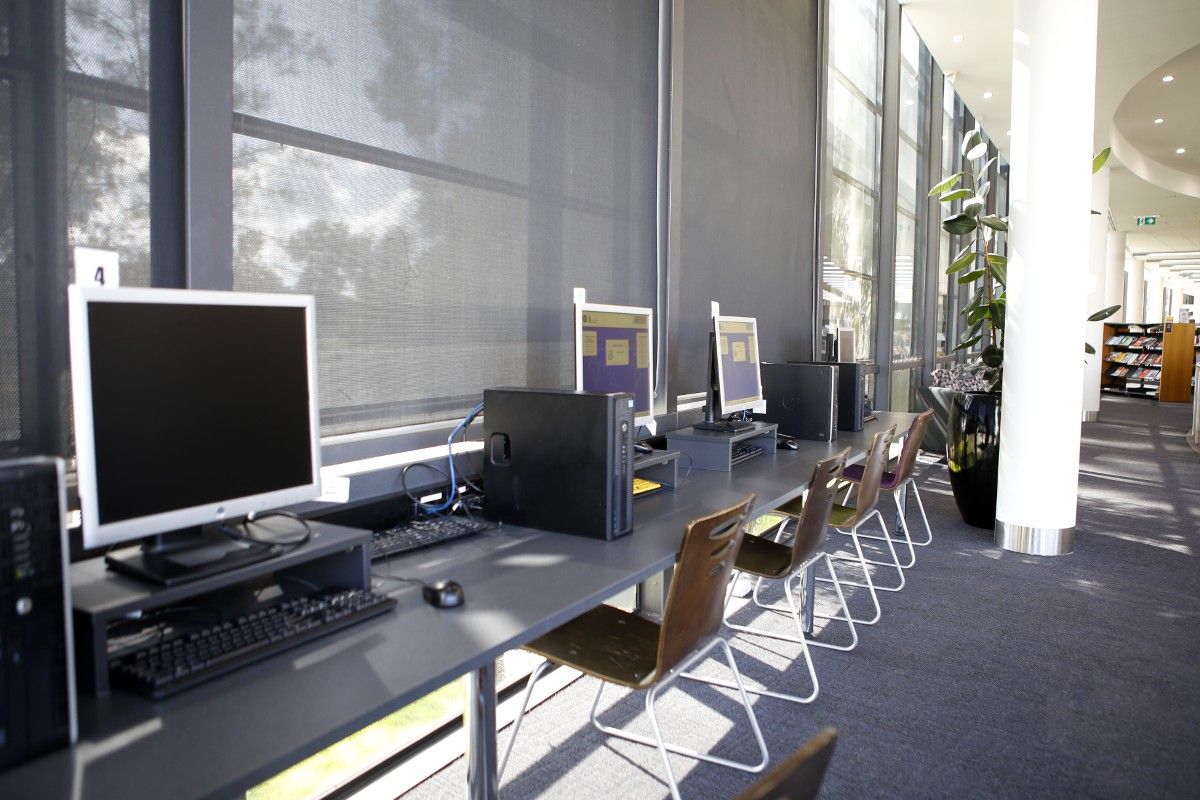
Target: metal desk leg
<point>810,596</point>
<point>480,726</point>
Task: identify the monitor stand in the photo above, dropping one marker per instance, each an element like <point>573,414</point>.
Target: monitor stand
<point>186,555</point>
<point>724,426</point>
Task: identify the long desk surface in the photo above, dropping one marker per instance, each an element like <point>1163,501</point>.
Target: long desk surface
<point>221,738</point>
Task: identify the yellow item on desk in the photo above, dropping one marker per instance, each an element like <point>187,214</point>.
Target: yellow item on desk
<point>643,486</point>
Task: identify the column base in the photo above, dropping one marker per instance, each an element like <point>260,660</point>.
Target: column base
<point>1034,541</point>
<point>1091,416</point>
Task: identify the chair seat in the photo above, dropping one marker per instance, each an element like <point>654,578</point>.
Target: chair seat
<point>763,557</point>
<point>607,643</point>
<point>839,515</point>
<point>854,474</point>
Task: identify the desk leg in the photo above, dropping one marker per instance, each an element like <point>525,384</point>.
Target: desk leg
<point>481,733</point>
<point>810,596</point>
<point>901,507</point>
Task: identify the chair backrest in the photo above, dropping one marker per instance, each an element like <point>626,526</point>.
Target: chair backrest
<point>799,776</point>
<point>814,516</point>
<point>697,596</point>
<point>912,443</point>
<point>868,488</point>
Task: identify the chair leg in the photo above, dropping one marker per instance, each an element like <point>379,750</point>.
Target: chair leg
<point>861,560</point>
<point>794,610</point>
<point>894,563</point>
<point>907,539</point>
<point>662,745</point>
<point>849,620</point>
<point>925,519</point>
<point>528,693</point>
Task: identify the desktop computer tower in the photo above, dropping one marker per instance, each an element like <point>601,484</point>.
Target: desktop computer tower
<point>852,389</point>
<point>802,399</point>
<point>37,669</point>
<point>559,460</point>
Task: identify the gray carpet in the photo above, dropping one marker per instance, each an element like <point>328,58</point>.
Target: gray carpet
<point>991,675</point>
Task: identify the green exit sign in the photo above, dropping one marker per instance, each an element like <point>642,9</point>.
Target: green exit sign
<point>1150,220</point>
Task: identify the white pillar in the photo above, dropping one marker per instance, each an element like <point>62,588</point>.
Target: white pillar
<point>1135,310</point>
<point>1093,287</point>
<point>1154,297</point>
<point>1114,274</point>
<point>1053,110</point>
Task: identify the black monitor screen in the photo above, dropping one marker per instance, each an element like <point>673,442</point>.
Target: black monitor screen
<point>196,404</point>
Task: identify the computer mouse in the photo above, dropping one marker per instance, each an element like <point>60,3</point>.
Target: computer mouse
<point>444,594</point>
<point>786,444</point>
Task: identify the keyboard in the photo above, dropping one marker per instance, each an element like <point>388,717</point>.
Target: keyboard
<point>743,451</point>
<point>414,534</point>
<point>645,486</point>
<point>180,662</point>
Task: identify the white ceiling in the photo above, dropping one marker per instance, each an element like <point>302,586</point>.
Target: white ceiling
<point>1134,42</point>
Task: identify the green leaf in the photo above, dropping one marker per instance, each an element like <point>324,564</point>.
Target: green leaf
<point>996,260</point>
<point>965,259</point>
<point>987,166</point>
<point>972,276</point>
<point>1097,213</point>
<point>978,151</point>
<point>957,194</point>
<point>1087,348</point>
<point>982,189</point>
<point>959,224</point>
<point>996,315</point>
<point>968,343</point>
<point>1100,159</point>
<point>1104,313</point>
<point>973,139</point>
<point>998,270</point>
<point>947,183</point>
<point>973,206</point>
<point>969,247</point>
<point>978,315</point>
<point>994,222</point>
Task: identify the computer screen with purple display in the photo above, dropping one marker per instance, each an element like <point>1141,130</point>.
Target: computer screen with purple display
<point>613,353</point>
<point>737,363</point>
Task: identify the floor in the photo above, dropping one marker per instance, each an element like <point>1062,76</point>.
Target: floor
<point>991,675</point>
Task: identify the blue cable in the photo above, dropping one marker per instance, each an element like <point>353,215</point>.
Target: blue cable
<point>452,496</point>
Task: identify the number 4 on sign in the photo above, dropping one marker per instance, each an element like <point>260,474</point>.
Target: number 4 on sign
<point>95,267</point>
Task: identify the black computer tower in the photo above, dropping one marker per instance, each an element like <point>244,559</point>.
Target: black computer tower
<point>37,669</point>
<point>802,399</point>
<point>559,460</point>
<point>852,390</point>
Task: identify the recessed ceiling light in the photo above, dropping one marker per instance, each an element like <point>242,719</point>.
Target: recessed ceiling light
<point>1158,120</point>
<point>1180,150</point>
<point>1168,78</point>
<point>987,95</point>
<point>957,38</point>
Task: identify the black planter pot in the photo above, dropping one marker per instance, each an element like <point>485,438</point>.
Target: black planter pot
<point>973,455</point>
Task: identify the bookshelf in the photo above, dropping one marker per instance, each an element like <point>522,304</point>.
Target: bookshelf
<point>1146,359</point>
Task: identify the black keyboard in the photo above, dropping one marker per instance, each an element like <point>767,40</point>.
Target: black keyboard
<point>180,662</point>
<point>414,534</point>
<point>743,451</point>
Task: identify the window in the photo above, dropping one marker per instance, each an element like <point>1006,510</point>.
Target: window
<point>950,145</point>
<point>910,214</point>
<point>852,183</point>
<point>440,176</point>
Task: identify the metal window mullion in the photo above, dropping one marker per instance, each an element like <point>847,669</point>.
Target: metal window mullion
<point>886,212</point>
<point>932,228</point>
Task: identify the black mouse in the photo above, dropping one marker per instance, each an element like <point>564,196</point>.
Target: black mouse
<point>444,594</point>
<point>786,444</point>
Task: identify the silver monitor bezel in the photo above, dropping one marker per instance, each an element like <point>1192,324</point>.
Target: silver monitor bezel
<point>726,408</point>
<point>580,308</point>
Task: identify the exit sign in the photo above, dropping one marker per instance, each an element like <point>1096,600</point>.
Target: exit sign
<point>1150,220</point>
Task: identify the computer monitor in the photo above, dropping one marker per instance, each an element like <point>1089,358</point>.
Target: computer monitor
<point>191,408</point>
<point>613,353</point>
<point>734,380</point>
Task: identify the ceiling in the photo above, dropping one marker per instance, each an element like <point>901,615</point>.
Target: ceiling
<point>1137,43</point>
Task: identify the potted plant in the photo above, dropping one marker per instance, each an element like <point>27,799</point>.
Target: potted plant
<point>973,436</point>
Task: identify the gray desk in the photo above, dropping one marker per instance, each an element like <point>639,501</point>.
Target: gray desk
<point>219,739</point>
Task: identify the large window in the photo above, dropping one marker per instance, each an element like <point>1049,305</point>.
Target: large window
<point>440,175</point>
<point>852,182</point>
<point>911,160</point>
<point>950,146</point>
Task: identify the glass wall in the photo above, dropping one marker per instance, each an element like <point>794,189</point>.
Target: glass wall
<point>906,353</point>
<point>950,144</point>
<point>440,176</point>
<point>850,207</point>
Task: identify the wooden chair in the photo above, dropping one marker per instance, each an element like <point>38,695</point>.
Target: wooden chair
<point>899,481</point>
<point>766,560</point>
<point>799,776</point>
<point>623,648</point>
